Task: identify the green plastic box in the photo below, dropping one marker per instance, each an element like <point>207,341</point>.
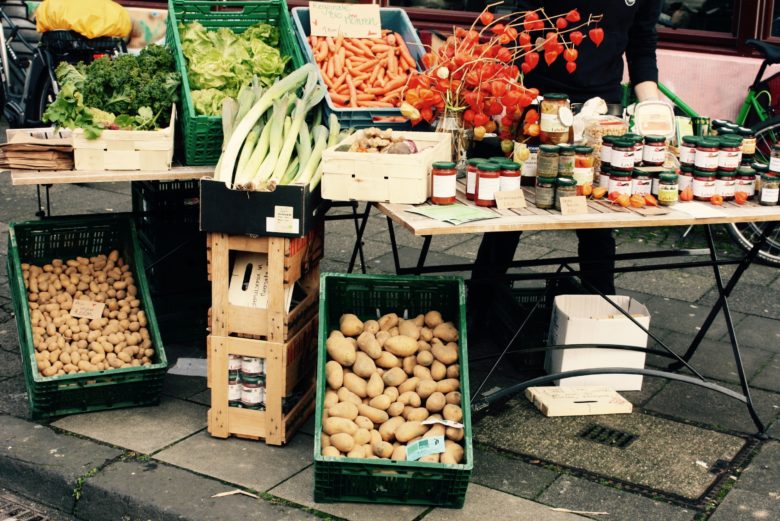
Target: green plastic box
<point>202,135</point>
<point>379,480</point>
<point>39,242</point>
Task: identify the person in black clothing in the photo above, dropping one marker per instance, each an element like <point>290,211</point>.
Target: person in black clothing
<point>630,29</point>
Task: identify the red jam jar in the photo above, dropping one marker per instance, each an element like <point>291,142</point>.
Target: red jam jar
<point>654,152</point>
<point>688,150</point>
<point>685,177</point>
<point>622,155</point>
<point>707,153</point>
<point>730,155</point>
<point>704,185</point>
<point>510,177</point>
<point>746,181</point>
<point>641,183</point>
<point>726,184</point>
<point>444,182</point>
<point>620,182</point>
<point>488,183</point>
<point>471,178</point>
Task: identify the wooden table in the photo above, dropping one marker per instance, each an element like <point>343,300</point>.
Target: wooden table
<point>54,177</point>
<point>605,215</point>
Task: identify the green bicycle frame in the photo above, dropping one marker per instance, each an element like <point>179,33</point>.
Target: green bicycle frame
<point>751,101</point>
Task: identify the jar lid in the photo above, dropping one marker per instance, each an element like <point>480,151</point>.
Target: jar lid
<point>726,173</point>
<point>669,177</point>
<point>620,173</point>
<point>510,165</point>
<point>547,181</point>
<point>550,149</point>
<point>732,140</point>
<point>732,126</point>
<point>555,96</point>
<point>566,181</point>
<point>488,166</point>
<point>688,169</point>
<point>583,150</point>
<point>703,173</point>
<point>655,139</point>
<point>769,176</point>
<point>716,123</point>
<point>624,142</point>
<point>744,131</point>
<point>693,140</point>
<point>709,142</point>
<point>475,161</point>
<point>760,167</point>
<point>563,148</point>
<point>746,170</point>
<point>639,172</point>
<point>726,131</point>
<point>443,165</point>
<point>498,159</point>
<point>609,138</point>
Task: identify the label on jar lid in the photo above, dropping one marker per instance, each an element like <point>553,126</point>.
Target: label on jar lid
<point>87,309</point>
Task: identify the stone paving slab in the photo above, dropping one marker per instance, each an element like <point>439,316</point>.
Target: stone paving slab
<point>251,464</point>
<point>686,317</point>
<point>485,503</point>
<point>579,494</point>
<point>692,403</point>
<point>44,465</point>
<point>140,429</point>
<point>762,476</point>
<point>769,377</point>
<point>408,259</point>
<point>13,396</point>
<point>676,284</point>
<point>650,387</point>
<point>741,505</point>
<point>762,332</point>
<point>9,338</point>
<point>300,489</point>
<point>10,363</point>
<point>662,457</point>
<point>151,490</point>
<point>502,472</point>
<point>749,298</point>
<point>183,387</point>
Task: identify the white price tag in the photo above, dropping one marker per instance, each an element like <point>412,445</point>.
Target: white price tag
<point>282,221</point>
<point>424,447</point>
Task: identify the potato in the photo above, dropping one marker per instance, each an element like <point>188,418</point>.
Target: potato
<point>415,414</point>
<point>382,449</point>
<point>454,433</point>
<point>425,358</point>
<point>399,453</point>
<point>410,398</point>
<point>368,343</point>
<point>408,364</point>
<point>453,453</point>
<point>355,384</point>
<point>422,345</point>
<point>425,388</point>
<point>331,451</point>
<point>341,350</point>
<point>377,416</point>
<point>346,410</point>
<point>437,429</point>
<point>387,322</point>
<point>371,326</point>
<point>387,360</point>
<point>387,429</point>
<point>382,337</point>
<point>446,354</point>
<point>375,436</point>
<point>408,328</point>
<point>364,423</point>
<point>453,413</point>
<point>438,370</point>
<point>362,436</point>
<point>448,385</point>
<point>430,458</point>
<point>446,332</point>
<point>342,441</point>
<point>453,371</point>
<point>375,386</point>
<point>408,385</point>
<point>364,366</point>
<point>433,319</point>
<point>453,397</point>
<point>381,402</point>
<point>426,334</point>
<point>409,430</point>
<point>357,452</point>
<point>394,377</point>
<point>422,372</point>
<point>435,402</point>
<point>336,425</point>
<point>402,346</point>
<point>350,325</point>
<point>395,409</point>
<point>392,392</point>
<point>334,375</point>
<point>345,395</point>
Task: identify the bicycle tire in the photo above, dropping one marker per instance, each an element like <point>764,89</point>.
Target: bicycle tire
<point>44,95</point>
<point>744,234</point>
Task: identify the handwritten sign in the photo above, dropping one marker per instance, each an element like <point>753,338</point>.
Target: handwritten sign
<point>511,199</point>
<point>575,205</point>
<point>87,309</point>
<point>350,20</point>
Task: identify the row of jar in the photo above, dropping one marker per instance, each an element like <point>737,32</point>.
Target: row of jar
<point>483,179</point>
<point>246,382</point>
<point>716,153</point>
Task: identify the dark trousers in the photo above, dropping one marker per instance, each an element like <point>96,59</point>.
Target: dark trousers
<point>596,251</point>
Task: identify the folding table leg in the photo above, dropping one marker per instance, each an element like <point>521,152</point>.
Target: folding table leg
<point>423,254</point>
<point>394,246</point>
<point>359,240</point>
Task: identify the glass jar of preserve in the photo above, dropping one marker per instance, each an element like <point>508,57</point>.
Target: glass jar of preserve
<point>605,154</point>
<point>703,185</point>
<point>622,156</point>
<point>707,152</point>
<point>760,170</point>
<point>471,178</point>
<point>746,181</point>
<point>556,119</point>
<point>547,161</point>
<point>730,154</point>
<point>620,182</point>
<point>545,192</point>
<point>654,152</point>
<point>641,182</point>
<point>688,150</point>
<point>638,143</point>
<point>748,141</point>
<point>668,193</point>
<point>528,166</point>
<point>510,176</point>
<point>566,158</point>
<point>770,190</point>
<point>444,182</point>
<point>774,160</point>
<point>583,167</point>
<point>726,184</point>
<point>488,183</point>
<point>566,187</point>
<point>685,177</point>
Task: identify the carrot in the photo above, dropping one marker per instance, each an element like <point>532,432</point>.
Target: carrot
<point>374,75</point>
<point>339,81</point>
<point>331,67</point>
<point>405,54</point>
<point>357,51</point>
<point>381,104</point>
<point>370,63</point>
<point>339,62</point>
<point>338,97</point>
<point>357,42</point>
<point>392,64</point>
<point>391,40</point>
<point>352,92</point>
<point>331,44</point>
<point>381,77</point>
<point>380,48</point>
<point>365,97</point>
<point>339,42</point>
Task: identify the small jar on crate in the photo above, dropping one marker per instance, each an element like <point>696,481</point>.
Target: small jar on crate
<point>685,177</point>
<point>688,150</point>
<point>641,182</point>
<point>444,182</point>
<point>639,147</point>
<point>774,160</point>
<point>566,159</point>
<point>583,167</point>
<point>605,157</point>
<point>488,183</point>
<point>760,170</point>
<point>748,141</point>
<point>707,153</point>
<point>622,155</point>
<point>730,154</point>
<point>471,177</point>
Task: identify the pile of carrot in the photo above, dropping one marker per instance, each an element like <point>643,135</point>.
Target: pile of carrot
<point>364,72</point>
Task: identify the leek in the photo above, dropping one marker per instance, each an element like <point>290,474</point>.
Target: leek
<point>248,148</point>
<point>291,172</point>
<point>335,126</point>
<point>320,134</point>
<point>244,176</point>
<point>276,140</point>
<point>303,147</point>
<point>315,180</point>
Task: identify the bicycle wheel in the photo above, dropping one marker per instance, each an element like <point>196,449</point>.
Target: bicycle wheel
<point>44,95</point>
<point>745,234</point>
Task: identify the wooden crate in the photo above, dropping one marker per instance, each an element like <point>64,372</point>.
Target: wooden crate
<point>289,261</point>
<point>125,149</point>
<point>288,365</point>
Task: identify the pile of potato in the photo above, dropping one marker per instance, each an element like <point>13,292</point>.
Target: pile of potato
<point>384,379</point>
<point>65,344</point>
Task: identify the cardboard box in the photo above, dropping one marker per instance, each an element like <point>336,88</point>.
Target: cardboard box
<point>288,211</point>
<point>589,319</point>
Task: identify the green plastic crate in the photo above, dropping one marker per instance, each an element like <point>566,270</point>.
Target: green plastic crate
<point>377,480</point>
<point>39,242</point>
<point>202,135</point>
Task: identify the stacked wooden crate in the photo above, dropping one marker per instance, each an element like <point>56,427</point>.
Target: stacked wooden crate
<point>286,339</point>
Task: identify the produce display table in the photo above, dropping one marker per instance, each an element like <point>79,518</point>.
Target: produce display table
<point>604,215</point>
<point>55,177</point>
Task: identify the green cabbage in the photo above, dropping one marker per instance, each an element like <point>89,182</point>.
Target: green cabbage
<point>208,101</point>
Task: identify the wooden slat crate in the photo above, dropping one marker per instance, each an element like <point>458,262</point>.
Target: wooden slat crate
<point>286,364</point>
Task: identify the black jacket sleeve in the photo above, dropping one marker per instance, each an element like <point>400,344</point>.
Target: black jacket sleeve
<point>642,43</point>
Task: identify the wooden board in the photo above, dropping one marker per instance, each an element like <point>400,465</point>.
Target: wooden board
<point>599,216</point>
<point>54,177</point>
<point>577,401</point>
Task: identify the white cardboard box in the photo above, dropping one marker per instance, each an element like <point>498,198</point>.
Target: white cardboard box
<point>589,319</point>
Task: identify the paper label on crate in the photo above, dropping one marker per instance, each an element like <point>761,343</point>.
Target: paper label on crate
<point>350,20</point>
<point>424,447</point>
<point>575,205</point>
<point>510,199</point>
<point>87,309</point>
<point>282,221</point>
<point>446,423</point>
